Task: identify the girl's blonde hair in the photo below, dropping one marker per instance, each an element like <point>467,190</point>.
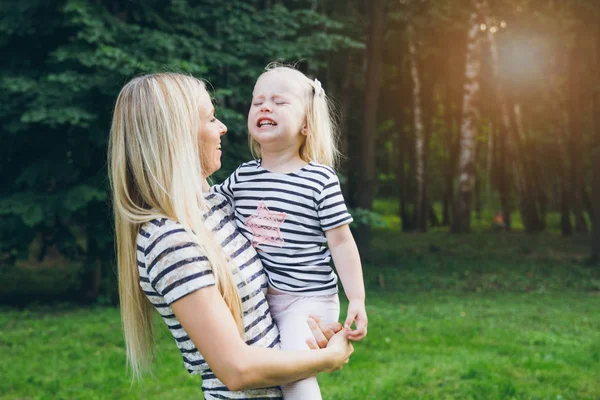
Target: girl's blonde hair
<point>155,170</point>
<point>320,144</point>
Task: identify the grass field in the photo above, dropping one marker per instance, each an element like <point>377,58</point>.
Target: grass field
<point>420,346</point>
<point>480,316</point>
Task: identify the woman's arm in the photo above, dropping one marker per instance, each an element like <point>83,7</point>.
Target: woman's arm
<point>207,320</point>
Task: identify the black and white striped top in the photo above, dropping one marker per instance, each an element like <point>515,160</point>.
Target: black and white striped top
<point>172,266</point>
<point>286,216</point>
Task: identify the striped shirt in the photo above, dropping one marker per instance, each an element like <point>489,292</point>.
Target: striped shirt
<point>285,216</point>
<point>171,266</point>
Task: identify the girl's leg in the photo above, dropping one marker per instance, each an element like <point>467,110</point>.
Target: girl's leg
<point>291,313</point>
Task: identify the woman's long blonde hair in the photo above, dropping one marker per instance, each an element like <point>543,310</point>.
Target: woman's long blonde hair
<point>321,143</point>
<point>155,169</point>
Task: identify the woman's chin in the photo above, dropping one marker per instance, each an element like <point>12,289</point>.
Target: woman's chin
<point>216,167</point>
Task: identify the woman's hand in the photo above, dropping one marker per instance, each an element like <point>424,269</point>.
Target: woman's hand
<point>341,349</point>
<point>322,332</point>
<point>331,336</point>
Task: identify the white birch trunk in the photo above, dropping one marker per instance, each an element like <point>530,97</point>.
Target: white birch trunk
<point>468,128</point>
<point>421,212</point>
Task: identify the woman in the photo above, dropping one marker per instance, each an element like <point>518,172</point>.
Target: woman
<point>180,253</point>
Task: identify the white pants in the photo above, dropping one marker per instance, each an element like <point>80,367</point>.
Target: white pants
<point>290,313</point>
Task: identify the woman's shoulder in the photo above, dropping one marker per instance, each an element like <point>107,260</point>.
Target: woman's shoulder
<point>155,229</point>
<point>158,224</point>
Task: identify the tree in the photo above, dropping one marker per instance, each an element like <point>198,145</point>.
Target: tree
<point>595,253</point>
<point>367,175</point>
<point>468,132</point>
<point>68,62</point>
<point>420,139</point>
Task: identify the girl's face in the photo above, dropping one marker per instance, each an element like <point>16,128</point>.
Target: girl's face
<point>277,119</point>
<point>209,137</point>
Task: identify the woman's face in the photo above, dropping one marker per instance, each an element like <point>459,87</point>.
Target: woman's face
<point>209,137</point>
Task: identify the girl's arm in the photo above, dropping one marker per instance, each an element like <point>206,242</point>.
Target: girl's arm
<point>226,187</point>
<point>207,320</point>
<point>347,263</point>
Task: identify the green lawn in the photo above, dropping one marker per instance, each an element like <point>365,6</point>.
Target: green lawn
<point>481,316</point>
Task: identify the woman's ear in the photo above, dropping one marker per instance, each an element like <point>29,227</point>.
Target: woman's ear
<point>304,129</point>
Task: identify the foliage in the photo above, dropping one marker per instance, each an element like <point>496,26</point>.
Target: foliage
<point>31,285</point>
<point>69,58</point>
<point>68,61</point>
<point>366,217</point>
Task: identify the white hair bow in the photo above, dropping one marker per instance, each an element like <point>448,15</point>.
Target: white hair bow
<point>318,88</point>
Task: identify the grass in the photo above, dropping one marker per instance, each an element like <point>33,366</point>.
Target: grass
<point>438,345</point>
<point>487,315</point>
<point>478,346</point>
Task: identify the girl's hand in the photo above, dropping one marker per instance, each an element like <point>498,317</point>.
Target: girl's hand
<point>356,313</point>
<point>341,349</point>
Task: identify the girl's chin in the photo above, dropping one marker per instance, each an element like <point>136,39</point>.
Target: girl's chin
<point>265,137</point>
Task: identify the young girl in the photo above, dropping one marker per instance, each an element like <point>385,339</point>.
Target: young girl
<point>288,203</point>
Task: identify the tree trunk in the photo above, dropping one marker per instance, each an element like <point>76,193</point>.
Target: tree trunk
<point>93,273</point>
<point>400,148</point>
<point>433,218</point>
<point>468,130</point>
<point>453,113</point>
<point>448,173</point>
<point>512,145</point>
<point>561,158</point>
<point>367,176</point>
<point>344,107</point>
<point>596,155</point>
<point>400,168</point>
<point>566,228</point>
<point>540,181</point>
<point>574,109</point>
<point>420,206</point>
<point>503,174</point>
<point>587,202</point>
<point>477,190</point>
<point>408,219</point>
<point>528,190</point>
<point>489,165</point>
